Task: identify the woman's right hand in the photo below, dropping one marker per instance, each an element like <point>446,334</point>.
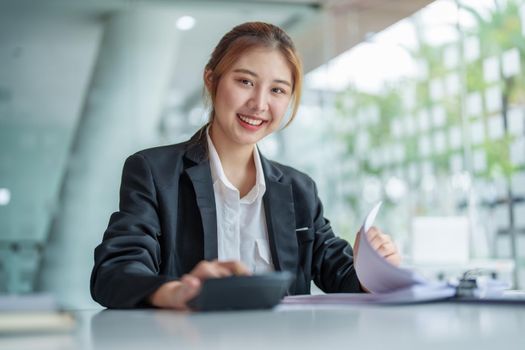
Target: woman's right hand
<point>176,294</point>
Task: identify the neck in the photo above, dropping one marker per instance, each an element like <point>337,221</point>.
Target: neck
<point>234,157</point>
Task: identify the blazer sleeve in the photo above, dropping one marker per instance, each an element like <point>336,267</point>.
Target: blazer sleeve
<point>333,266</point>
<point>126,269</point>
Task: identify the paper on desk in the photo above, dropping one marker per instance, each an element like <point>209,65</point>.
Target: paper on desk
<point>374,272</point>
<point>414,294</point>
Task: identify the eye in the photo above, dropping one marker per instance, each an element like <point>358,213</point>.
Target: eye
<point>245,82</point>
<point>279,91</point>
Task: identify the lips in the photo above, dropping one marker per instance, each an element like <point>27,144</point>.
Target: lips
<point>250,120</point>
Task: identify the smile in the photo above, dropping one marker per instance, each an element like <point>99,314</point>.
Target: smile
<point>251,121</point>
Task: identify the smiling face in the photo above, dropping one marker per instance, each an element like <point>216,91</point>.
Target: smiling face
<point>251,97</point>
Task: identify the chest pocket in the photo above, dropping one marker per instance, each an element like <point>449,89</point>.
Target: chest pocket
<point>262,261</point>
<point>305,242</point>
<point>304,234</point>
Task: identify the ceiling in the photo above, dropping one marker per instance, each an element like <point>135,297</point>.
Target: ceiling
<point>321,29</point>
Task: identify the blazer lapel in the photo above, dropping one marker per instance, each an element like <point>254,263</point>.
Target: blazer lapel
<point>200,176</point>
<point>278,206</point>
<point>280,219</point>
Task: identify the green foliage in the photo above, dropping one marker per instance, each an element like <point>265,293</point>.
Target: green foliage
<point>474,77</point>
<point>441,163</point>
<point>498,158</point>
<point>453,109</point>
<point>498,31</point>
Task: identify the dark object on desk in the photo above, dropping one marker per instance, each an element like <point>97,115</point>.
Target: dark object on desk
<point>467,287</point>
<point>242,292</point>
<point>469,290</point>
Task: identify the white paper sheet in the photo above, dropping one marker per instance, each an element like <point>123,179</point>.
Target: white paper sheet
<point>374,272</point>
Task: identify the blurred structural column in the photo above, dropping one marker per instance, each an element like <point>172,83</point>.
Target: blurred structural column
<point>120,116</point>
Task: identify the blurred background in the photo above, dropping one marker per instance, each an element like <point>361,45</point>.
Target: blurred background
<point>417,103</point>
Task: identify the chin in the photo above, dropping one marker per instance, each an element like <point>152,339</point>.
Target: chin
<point>245,141</point>
<point>245,138</point>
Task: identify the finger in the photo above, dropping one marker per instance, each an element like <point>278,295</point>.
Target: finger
<point>203,270</point>
<point>386,249</point>
<point>208,269</point>
<point>372,233</point>
<point>189,288</point>
<point>394,259</point>
<point>390,253</point>
<point>221,271</point>
<point>216,270</point>
<point>380,240</point>
<point>356,243</point>
<point>235,267</point>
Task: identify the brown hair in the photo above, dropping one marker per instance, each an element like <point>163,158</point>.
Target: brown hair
<point>247,36</point>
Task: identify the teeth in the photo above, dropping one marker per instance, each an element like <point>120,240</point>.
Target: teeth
<point>254,122</point>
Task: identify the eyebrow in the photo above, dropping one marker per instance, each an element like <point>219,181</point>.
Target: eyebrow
<point>249,72</point>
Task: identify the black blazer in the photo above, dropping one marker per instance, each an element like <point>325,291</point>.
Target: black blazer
<point>167,223</point>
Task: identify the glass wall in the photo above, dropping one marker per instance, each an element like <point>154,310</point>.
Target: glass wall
<point>427,116</point>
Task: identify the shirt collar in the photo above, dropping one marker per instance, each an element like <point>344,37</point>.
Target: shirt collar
<point>260,183</point>
<point>217,172</point>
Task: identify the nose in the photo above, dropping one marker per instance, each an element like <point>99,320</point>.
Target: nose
<point>258,101</point>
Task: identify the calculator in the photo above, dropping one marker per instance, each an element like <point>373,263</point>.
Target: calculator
<point>262,291</point>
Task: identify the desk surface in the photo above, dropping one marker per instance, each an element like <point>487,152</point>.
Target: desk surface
<point>442,326</point>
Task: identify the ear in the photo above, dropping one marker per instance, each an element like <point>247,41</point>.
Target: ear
<point>208,79</point>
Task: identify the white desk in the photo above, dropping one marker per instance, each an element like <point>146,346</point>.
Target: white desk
<point>442,326</point>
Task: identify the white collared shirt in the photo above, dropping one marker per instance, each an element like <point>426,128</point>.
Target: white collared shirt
<point>241,225</point>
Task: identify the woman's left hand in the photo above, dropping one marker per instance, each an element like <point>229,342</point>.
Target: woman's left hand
<point>382,243</point>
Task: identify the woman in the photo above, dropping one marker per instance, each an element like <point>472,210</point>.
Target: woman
<point>213,206</point>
